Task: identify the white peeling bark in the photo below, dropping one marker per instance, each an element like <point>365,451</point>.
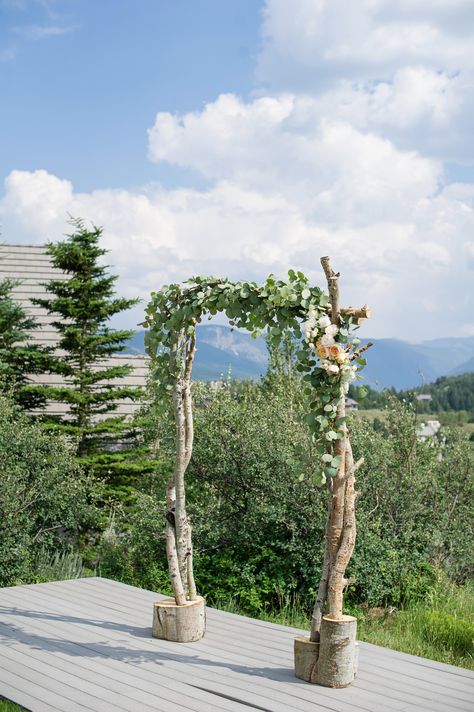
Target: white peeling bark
<point>171,552</point>
<point>181,360</point>
<point>180,467</point>
<point>192,593</point>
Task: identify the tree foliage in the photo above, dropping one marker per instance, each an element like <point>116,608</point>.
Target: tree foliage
<point>20,358</point>
<point>83,302</point>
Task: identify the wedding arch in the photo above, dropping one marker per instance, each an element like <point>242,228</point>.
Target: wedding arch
<point>328,359</point>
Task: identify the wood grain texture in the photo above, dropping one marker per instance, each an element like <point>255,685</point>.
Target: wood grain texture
<point>87,645</point>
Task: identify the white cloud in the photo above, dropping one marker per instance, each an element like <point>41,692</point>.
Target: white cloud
<point>282,145</point>
<point>312,40</point>
<point>343,155</point>
<point>405,69</point>
<point>43,32</point>
<point>156,236</point>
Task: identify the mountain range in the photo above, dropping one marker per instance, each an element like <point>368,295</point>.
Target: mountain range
<point>390,362</point>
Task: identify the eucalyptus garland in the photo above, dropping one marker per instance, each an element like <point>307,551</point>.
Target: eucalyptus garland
<point>328,358</point>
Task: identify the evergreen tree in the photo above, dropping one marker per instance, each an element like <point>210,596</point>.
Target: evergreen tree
<point>19,357</point>
<point>85,301</point>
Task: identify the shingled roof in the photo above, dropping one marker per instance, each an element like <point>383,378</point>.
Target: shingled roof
<point>31,265</point>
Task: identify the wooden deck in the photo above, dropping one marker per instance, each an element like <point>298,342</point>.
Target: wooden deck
<point>86,645</point>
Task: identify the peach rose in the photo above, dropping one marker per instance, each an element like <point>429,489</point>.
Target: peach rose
<point>335,351</point>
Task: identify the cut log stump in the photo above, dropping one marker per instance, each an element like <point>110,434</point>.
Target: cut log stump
<point>306,658</point>
<point>180,624</point>
<point>333,661</point>
<point>337,661</point>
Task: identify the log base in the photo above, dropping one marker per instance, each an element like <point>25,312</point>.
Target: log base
<point>333,661</point>
<point>180,624</point>
<point>306,659</point>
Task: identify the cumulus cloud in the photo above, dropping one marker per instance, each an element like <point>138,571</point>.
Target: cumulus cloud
<point>404,68</point>
<point>282,145</point>
<point>317,40</point>
<point>403,267</point>
<point>341,152</point>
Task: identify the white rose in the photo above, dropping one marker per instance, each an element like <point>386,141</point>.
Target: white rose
<point>327,340</point>
<point>332,369</point>
<point>323,322</point>
<point>331,330</point>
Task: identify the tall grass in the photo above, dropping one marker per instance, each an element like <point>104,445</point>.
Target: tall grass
<point>440,627</point>
<point>7,706</point>
<point>61,566</point>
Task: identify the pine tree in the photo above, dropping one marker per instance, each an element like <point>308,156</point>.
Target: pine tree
<point>20,358</point>
<point>85,301</point>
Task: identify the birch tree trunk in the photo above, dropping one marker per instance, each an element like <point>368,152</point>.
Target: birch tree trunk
<point>184,618</point>
<point>328,656</point>
<point>182,357</point>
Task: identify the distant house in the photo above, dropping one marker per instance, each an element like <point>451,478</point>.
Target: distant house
<point>424,397</point>
<point>351,404</point>
<point>428,429</point>
<point>31,265</point>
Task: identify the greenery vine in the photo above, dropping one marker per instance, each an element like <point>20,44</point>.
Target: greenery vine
<point>328,357</point>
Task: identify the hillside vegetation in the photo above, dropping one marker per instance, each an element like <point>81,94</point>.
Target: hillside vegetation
<point>448,393</point>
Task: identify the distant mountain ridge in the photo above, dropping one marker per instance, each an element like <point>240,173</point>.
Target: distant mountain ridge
<point>390,362</point>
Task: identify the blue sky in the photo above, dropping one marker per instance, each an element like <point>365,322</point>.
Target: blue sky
<point>243,137</point>
<point>85,77</point>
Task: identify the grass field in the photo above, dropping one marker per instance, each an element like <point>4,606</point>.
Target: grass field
<point>439,628</point>
<point>6,706</point>
<point>444,418</point>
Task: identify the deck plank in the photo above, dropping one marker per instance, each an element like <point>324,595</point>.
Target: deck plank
<point>86,645</point>
<point>223,672</point>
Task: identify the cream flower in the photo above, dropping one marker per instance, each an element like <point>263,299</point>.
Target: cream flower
<point>331,330</point>
<point>342,357</point>
<point>332,369</point>
<point>327,340</point>
<point>324,321</point>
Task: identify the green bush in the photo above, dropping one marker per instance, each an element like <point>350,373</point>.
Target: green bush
<point>136,554</point>
<point>259,525</point>
<point>44,498</point>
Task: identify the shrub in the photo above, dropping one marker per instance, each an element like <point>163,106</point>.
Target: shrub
<point>44,498</point>
<point>259,528</point>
